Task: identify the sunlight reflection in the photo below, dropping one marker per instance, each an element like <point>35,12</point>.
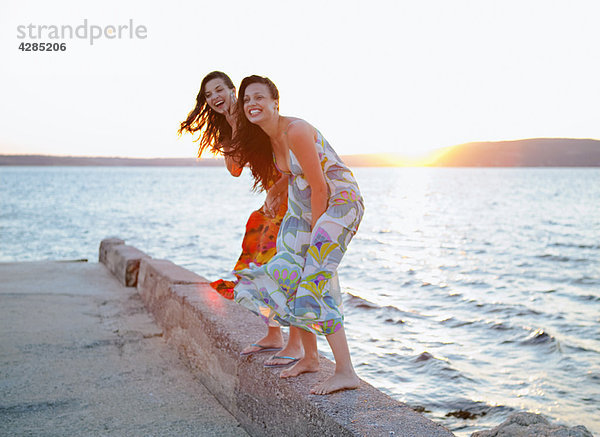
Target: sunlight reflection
<point>215,300</point>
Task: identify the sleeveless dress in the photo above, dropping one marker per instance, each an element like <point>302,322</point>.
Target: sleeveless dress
<point>297,286</point>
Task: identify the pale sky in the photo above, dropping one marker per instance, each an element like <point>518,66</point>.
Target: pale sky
<point>374,76</point>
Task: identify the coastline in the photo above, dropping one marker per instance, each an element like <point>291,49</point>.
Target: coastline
<point>533,152</point>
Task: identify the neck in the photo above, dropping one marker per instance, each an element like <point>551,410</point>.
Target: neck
<point>271,127</point>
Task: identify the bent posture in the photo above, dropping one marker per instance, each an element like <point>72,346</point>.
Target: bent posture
<point>214,115</point>
<point>297,286</point>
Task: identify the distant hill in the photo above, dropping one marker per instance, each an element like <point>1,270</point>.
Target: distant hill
<point>535,152</point>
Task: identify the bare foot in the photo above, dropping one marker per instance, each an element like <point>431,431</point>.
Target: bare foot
<point>305,365</point>
<point>337,382</point>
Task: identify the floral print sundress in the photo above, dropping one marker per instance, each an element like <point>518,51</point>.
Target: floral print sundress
<point>297,286</point>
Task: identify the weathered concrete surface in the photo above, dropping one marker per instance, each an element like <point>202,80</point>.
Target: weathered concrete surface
<point>106,244</point>
<point>79,355</point>
<point>211,331</point>
<point>532,425</point>
<point>123,261</point>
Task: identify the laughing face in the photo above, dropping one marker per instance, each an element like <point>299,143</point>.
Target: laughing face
<point>259,105</point>
<point>218,96</point>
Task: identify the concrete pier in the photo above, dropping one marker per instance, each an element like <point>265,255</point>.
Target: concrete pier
<point>209,332</point>
<point>81,356</point>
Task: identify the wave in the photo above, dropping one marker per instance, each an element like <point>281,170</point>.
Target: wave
<point>539,336</point>
<point>395,322</point>
<point>357,302</point>
<point>522,336</point>
<point>555,223</point>
<point>576,246</point>
<point>494,325</point>
<point>501,326</point>
<point>512,310</point>
<point>562,259</point>
<point>594,377</point>
<point>585,280</point>
<point>580,349</point>
<point>456,323</point>
<point>428,363</point>
<point>588,298</point>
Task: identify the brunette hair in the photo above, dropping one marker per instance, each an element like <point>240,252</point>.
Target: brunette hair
<point>252,145</point>
<point>213,126</point>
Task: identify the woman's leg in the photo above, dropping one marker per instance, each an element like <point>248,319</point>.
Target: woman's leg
<point>329,239</point>
<point>344,377</point>
<point>310,361</point>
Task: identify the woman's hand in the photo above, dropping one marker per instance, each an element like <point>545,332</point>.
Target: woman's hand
<point>230,115</point>
<point>276,195</point>
<point>234,168</point>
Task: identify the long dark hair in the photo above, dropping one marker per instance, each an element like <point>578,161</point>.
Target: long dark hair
<point>252,145</point>
<point>214,127</point>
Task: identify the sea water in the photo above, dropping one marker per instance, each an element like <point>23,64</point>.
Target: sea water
<point>469,294</point>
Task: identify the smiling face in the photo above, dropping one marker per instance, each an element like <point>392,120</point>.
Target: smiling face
<point>219,96</point>
<point>259,104</point>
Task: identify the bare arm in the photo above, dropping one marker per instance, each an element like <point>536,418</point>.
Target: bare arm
<point>301,138</point>
<point>234,168</point>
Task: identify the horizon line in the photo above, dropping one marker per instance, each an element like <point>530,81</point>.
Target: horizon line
<point>398,154</point>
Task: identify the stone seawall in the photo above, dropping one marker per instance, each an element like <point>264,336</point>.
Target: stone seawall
<point>209,332</point>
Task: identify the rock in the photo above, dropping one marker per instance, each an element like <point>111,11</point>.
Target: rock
<point>532,425</point>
